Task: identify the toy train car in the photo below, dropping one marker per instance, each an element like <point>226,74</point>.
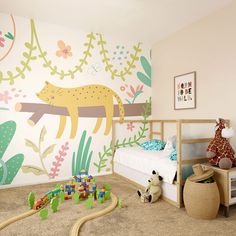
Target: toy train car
<point>41,202</point>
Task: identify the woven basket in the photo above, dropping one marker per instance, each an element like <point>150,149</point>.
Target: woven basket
<point>201,200</point>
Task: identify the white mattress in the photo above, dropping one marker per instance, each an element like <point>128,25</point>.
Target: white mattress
<point>168,190</point>
<point>147,161</point>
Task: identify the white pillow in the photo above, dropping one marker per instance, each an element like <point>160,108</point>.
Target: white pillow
<point>169,146</point>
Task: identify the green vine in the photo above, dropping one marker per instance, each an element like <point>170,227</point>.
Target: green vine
<point>54,70</point>
<point>109,66</point>
<point>20,70</point>
<point>107,151</point>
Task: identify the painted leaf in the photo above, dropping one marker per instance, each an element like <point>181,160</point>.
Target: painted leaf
<point>144,79</point>
<point>9,35</point>
<point>13,165</point>
<point>132,89</point>
<point>73,165</point>
<point>146,66</point>
<point>7,131</point>
<point>48,151</point>
<point>33,169</point>
<point>42,134</point>
<point>29,143</point>
<point>85,153</point>
<point>130,94</point>
<point>79,152</point>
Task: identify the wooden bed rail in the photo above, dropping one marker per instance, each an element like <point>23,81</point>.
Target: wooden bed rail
<point>179,142</point>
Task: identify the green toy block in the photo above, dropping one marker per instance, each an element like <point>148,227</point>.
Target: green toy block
<point>43,213</point>
<point>54,204</point>
<point>62,197</point>
<point>101,200</point>
<point>89,203</point>
<point>120,203</point>
<point>97,193</point>
<point>107,195</point>
<point>76,198</point>
<point>107,187</point>
<point>31,199</point>
<point>58,186</point>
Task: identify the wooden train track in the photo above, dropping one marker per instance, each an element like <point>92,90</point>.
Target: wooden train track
<point>16,218</point>
<point>77,225</point>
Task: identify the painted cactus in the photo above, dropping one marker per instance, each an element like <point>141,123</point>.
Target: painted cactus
<point>10,168</point>
<point>83,157</point>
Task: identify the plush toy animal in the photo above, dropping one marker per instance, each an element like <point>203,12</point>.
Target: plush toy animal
<point>153,190</point>
<point>219,151</point>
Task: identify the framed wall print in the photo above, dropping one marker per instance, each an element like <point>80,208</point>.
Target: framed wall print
<point>185,91</point>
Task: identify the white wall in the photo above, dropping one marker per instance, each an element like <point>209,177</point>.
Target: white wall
<point>209,48</point>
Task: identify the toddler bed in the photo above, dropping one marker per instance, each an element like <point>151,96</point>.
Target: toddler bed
<point>136,165</point>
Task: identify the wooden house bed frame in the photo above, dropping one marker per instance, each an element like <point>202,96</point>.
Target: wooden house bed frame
<point>180,140</point>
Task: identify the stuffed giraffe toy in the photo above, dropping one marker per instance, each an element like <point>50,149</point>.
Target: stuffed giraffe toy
<point>219,150</point>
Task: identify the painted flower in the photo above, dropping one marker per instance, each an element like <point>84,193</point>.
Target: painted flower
<point>5,97</point>
<point>64,50</point>
<point>2,40</point>
<point>130,126</point>
<point>122,88</point>
<point>135,92</point>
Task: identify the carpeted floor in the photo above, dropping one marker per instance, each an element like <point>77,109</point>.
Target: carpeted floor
<point>136,218</point>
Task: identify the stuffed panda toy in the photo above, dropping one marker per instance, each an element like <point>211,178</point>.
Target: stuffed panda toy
<point>153,190</point>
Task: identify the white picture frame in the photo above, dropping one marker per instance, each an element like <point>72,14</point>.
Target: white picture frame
<point>185,91</point>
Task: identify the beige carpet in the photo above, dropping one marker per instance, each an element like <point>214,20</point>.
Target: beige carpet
<point>134,219</point>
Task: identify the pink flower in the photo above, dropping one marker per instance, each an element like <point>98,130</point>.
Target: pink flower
<point>5,97</point>
<point>130,126</point>
<point>64,50</point>
<point>133,93</point>
<point>1,40</point>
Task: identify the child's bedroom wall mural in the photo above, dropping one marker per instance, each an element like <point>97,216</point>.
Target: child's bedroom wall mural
<point>60,89</point>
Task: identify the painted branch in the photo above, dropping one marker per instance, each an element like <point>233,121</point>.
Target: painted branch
<point>39,110</point>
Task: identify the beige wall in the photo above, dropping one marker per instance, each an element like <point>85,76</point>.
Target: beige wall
<point>209,48</point>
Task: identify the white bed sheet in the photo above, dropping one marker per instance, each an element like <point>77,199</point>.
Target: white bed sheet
<point>147,161</point>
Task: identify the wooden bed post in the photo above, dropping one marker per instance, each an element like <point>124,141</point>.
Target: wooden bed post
<point>113,143</point>
<point>162,130</point>
<point>179,162</point>
<point>151,130</point>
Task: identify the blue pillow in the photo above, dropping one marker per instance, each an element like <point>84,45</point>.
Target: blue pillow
<point>154,144</point>
<point>173,156</point>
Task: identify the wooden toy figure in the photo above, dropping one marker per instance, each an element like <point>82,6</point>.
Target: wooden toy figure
<point>31,199</point>
<point>54,204</point>
<point>43,213</point>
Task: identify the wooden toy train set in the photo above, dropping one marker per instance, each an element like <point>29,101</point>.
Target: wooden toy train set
<point>82,186</point>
